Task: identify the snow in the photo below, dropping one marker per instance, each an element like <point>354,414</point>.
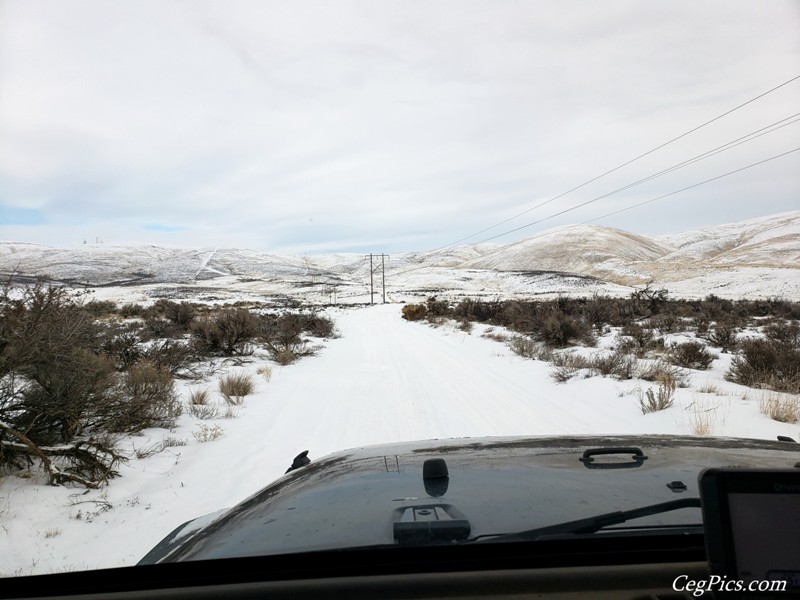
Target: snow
<point>758,258</point>
<point>384,380</point>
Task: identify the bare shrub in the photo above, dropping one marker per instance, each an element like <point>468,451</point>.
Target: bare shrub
<point>181,314</point>
<point>124,349</point>
<point>205,412</point>
<point>148,400</point>
<point>659,370</point>
<point>173,442</point>
<point>780,407</point>
<point>318,326</point>
<point>207,433</point>
<point>528,348</point>
<point>158,327</point>
<point>234,387</point>
<point>55,389</point>
<point>414,312</point>
<point>228,332</point>
<point>131,310</point>
<point>474,310</point>
<point>661,399</point>
<point>100,308</point>
<point>637,339</point>
<point>723,336</point>
<point>665,323</point>
<point>691,355</point>
<point>568,365</point>
<point>437,308</point>
<point>65,397</point>
<point>282,337</point>
<point>570,359</point>
<point>598,310</point>
<point>559,330</point>
<point>648,301</point>
<point>783,334</point>
<point>174,356</point>
<point>618,364</point>
<point>766,363</point>
<point>283,357</point>
<point>562,374</point>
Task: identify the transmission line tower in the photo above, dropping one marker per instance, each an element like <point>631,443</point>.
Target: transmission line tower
<point>374,268</point>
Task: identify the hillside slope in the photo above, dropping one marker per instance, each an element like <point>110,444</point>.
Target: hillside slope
<point>754,258</point>
<point>759,252</point>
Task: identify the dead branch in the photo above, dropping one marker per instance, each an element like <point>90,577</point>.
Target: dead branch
<point>89,463</point>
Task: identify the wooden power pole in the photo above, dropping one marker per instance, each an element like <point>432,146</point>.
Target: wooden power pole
<point>372,269</point>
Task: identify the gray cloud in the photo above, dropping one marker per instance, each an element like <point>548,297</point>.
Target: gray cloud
<point>337,125</point>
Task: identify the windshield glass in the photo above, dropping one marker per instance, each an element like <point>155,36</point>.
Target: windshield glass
<point>235,232</point>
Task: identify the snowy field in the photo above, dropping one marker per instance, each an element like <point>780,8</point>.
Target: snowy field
<point>383,380</point>
<point>757,258</point>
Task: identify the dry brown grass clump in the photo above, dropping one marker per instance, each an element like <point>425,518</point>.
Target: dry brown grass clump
<point>234,387</point>
<point>780,407</point>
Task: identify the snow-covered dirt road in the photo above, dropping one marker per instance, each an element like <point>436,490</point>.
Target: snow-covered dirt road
<point>384,380</point>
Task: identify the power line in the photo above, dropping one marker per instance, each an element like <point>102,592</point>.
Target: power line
<point>718,150</point>
<point>755,164</point>
<point>618,167</point>
<point>708,154</point>
<point>777,125</point>
<point>582,204</point>
<point>761,162</point>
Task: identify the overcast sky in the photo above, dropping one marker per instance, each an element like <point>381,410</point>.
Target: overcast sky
<point>317,126</point>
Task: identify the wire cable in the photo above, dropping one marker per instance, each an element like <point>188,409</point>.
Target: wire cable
<point>582,204</point>
<point>761,162</point>
<point>777,125</point>
<point>625,164</point>
<point>708,154</point>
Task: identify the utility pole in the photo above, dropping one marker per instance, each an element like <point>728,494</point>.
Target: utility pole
<point>372,268</point>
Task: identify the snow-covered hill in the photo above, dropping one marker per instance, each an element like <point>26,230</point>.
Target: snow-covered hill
<point>767,241</point>
<point>584,249</point>
<point>754,258</point>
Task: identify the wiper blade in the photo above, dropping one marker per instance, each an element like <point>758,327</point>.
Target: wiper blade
<point>591,524</point>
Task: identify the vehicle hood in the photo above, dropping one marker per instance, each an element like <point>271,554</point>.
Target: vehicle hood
<point>498,485</point>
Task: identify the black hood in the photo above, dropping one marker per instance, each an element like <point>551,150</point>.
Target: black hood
<point>489,486</point>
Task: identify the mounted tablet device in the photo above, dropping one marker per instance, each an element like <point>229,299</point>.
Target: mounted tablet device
<point>751,519</point>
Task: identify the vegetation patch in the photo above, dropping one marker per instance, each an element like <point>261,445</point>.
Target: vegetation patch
<point>780,407</point>
<point>76,377</point>
<point>691,355</point>
<point>234,387</point>
<point>771,362</point>
<point>660,398</point>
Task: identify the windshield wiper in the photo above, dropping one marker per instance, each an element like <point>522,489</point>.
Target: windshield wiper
<point>590,524</point>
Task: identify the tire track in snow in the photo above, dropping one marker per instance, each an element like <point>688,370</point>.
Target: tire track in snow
<point>388,380</point>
